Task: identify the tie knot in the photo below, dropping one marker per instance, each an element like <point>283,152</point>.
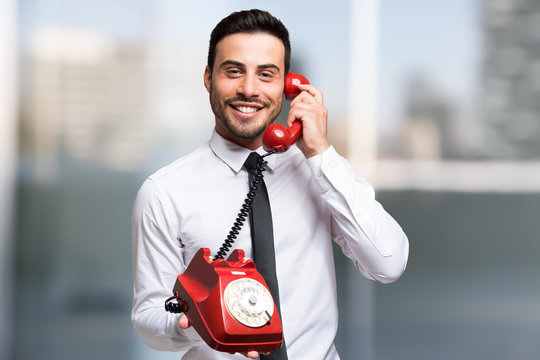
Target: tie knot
<point>252,161</point>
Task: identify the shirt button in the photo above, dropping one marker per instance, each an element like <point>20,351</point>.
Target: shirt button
<point>319,173</point>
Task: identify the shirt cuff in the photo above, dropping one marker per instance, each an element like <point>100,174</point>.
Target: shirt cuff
<point>328,169</point>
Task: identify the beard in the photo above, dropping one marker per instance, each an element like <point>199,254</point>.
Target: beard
<point>238,127</point>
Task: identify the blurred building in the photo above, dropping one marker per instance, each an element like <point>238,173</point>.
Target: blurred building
<point>504,123</point>
<point>511,77</point>
<point>426,132</point>
<point>93,99</point>
<point>433,125</point>
<point>84,96</point>
<point>95,111</point>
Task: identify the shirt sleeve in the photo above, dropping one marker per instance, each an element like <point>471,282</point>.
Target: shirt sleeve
<point>366,233</point>
<point>157,261</point>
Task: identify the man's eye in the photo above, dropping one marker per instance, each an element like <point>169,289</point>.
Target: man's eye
<point>266,75</point>
<point>233,72</point>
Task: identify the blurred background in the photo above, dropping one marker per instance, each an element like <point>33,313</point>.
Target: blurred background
<point>434,102</point>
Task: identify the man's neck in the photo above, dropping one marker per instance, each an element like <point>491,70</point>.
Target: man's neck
<point>251,144</point>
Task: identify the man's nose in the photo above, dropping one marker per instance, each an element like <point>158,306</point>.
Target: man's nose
<point>249,86</point>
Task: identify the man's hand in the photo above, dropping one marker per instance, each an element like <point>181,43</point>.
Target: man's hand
<point>308,108</point>
<point>183,323</point>
<point>251,355</point>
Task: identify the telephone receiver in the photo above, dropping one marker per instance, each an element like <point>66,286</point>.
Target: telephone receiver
<point>276,136</point>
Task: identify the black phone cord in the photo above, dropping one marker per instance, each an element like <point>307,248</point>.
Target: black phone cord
<point>180,306</point>
<point>244,210</point>
<point>172,307</point>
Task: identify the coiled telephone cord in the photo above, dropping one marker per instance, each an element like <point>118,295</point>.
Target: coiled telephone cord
<point>243,214</point>
<point>171,307</point>
<point>244,210</point>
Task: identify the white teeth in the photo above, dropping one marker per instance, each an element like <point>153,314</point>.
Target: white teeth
<point>247,109</point>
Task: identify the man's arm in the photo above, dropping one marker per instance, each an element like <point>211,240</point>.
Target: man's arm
<point>365,231</point>
<point>367,234</point>
<point>157,261</point>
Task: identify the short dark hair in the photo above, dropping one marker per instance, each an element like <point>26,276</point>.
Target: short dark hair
<point>249,21</point>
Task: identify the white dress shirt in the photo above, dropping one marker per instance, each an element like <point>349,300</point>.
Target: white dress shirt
<point>194,201</point>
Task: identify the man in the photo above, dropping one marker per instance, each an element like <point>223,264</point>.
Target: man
<point>315,198</point>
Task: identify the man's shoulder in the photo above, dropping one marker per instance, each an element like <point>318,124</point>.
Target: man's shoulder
<point>183,165</point>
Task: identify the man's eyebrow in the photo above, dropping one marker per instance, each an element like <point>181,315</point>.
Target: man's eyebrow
<point>269,66</point>
<point>242,65</point>
<point>231,62</point>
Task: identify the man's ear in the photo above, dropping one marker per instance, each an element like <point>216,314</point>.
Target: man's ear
<point>207,78</point>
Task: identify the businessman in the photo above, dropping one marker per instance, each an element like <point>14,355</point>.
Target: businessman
<point>315,197</point>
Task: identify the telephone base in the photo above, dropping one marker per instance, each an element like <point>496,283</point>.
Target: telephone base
<point>228,303</point>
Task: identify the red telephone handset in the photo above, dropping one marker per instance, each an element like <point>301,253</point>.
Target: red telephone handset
<point>278,137</point>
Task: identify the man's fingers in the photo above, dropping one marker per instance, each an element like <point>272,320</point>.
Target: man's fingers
<point>183,322</point>
<point>313,91</point>
<point>254,354</point>
<point>251,355</point>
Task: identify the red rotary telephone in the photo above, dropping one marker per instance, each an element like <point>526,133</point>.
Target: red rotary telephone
<point>278,137</point>
<point>228,302</point>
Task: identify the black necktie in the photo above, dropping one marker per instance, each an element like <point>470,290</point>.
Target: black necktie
<point>262,240</point>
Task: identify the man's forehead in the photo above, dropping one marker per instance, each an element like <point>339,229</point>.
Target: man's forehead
<point>255,34</point>
<point>260,44</point>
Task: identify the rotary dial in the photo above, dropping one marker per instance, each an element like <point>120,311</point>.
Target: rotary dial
<point>249,302</point>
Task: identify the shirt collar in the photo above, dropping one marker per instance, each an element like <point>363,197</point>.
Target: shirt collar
<point>235,155</point>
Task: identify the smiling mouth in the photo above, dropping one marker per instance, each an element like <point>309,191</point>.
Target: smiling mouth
<point>246,109</point>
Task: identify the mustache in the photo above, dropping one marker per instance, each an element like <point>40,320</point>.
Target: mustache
<point>246,99</point>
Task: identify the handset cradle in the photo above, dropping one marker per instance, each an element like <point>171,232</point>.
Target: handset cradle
<point>276,136</point>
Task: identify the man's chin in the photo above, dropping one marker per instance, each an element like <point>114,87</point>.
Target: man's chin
<point>248,134</point>
<point>246,131</point>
